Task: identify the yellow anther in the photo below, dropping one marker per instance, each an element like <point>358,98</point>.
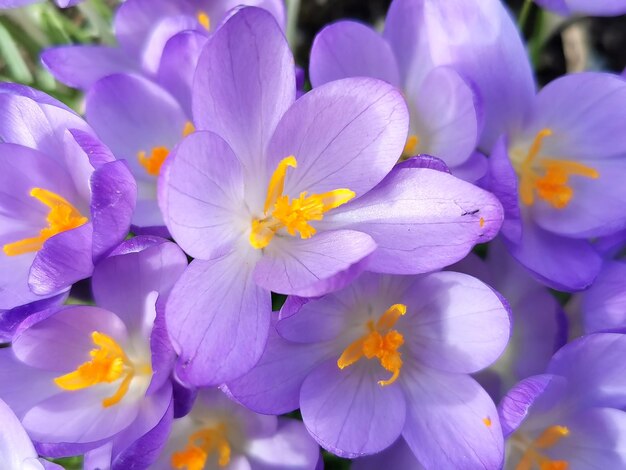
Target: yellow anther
<point>200,446</point>
<point>204,20</point>
<point>487,421</point>
<point>410,148</point>
<point>380,342</point>
<point>62,216</point>
<point>188,129</point>
<point>548,177</point>
<point>153,162</point>
<point>108,364</point>
<point>532,457</point>
<point>293,215</point>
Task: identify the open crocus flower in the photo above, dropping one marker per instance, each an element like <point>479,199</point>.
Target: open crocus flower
<point>220,434</point>
<point>585,7</point>
<point>64,200</point>
<point>83,377</point>
<point>560,178</point>
<point>571,417</point>
<point>294,197</point>
<point>603,305</point>
<point>389,357</point>
<point>539,324</point>
<point>157,38</point>
<point>16,449</point>
<point>444,118</point>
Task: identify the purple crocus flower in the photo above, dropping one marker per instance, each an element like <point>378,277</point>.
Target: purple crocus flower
<point>539,323</point>
<point>389,357</point>
<point>603,305</point>
<point>560,178</point>
<point>82,377</point>
<point>157,38</point>
<point>22,3</point>
<point>444,117</point>
<point>16,449</point>
<point>571,417</point>
<point>220,434</point>
<point>64,200</point>
<point>585,7</point>
<point>260,196</point>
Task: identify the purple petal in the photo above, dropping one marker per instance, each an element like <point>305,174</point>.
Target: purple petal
<point>218,320</point>
<point>11,319</point>
<point>203,194</point>
<point>64,259</point>
<point>585,7</point>
<point>516,404</point>
<point>348,412</point>
<point>344,134</point>
<point>474,168</point>
<point>398,456</point>
<point>273,385</point>
<point>112,204</point>
<point>350,49</point>
<point>451,421</point>
<point>604,304</point>
<point>421,220</point>
<point>310,267</point>
<point>455,323</point>
<point>15,445</point>
<point>82,66</point>
<point>245,105</point>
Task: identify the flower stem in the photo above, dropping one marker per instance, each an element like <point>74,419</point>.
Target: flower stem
<point>523,16</point>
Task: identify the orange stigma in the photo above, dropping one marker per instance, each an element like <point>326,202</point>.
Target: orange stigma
<point>204,19</point>
<point>410,148</point>
<point>380,342</point>
<point>154,162</point>
<point>62,216</point>
<point>200,446</point>
<point>533,456</point>
<point>548,178</point>
<point>293,215</point>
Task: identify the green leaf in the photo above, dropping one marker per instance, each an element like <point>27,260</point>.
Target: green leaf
<point>10,53</point>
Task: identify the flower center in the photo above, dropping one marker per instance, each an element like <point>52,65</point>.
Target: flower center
<point>410,148</point>
<point>108,364</point>
<point>200,446</point>
<point>152,163</point>
<point>293,215</point>
<point>380,342</point>
<point>204,19</point>
<point>533,457</point>
<point>548,177</point>
<point>63,216</point>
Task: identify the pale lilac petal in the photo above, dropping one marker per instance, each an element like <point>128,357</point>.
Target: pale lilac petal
<point>218,320</point>
<point>310,267</point>
<point>421,220</point>
<point>82,66</point>
<point>604,304</point>
<point>202,195</point>
<point>291,447</point>
<point>398,456</point>
<point>585,7</point>
<point>348,412</point>
<point>454,322</point>
<point>15,445</point>
<point>11,319</point>
<point>161,32</point>
<point>350,49</point>
<point>473,169</point>
<point>244,105</point>
<point>344,134</point>
<point>273,385</point>
<point>451,421</point>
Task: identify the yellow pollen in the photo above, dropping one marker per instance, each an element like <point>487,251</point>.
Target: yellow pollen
<point>410,148</point>
<point>108,364</point>
<point>293,215</point>
<point>188,129</point>
<point>548,177</point>
<point>204,20</point>
<point>380,342</point>
<point>200,446</point>
<point>550,437</point>
<point>487,421</point>
<point>63,216</point>
<point>153,162</point>
<point>481,222</point>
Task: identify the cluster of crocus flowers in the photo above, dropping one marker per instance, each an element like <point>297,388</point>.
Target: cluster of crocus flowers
<point>143,249</point>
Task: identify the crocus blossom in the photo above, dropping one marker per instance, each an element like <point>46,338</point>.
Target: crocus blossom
<point>585,7</point>
<point>65,202</point>
<point>572,415</point>
<point>294,197</point>
<point>82,378</point>
<point>220,434</point>
<point>539,324</point>
<point>389,357</point>
<point>16,449</point>
<point>603,305</point>
<point>443,108</point>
